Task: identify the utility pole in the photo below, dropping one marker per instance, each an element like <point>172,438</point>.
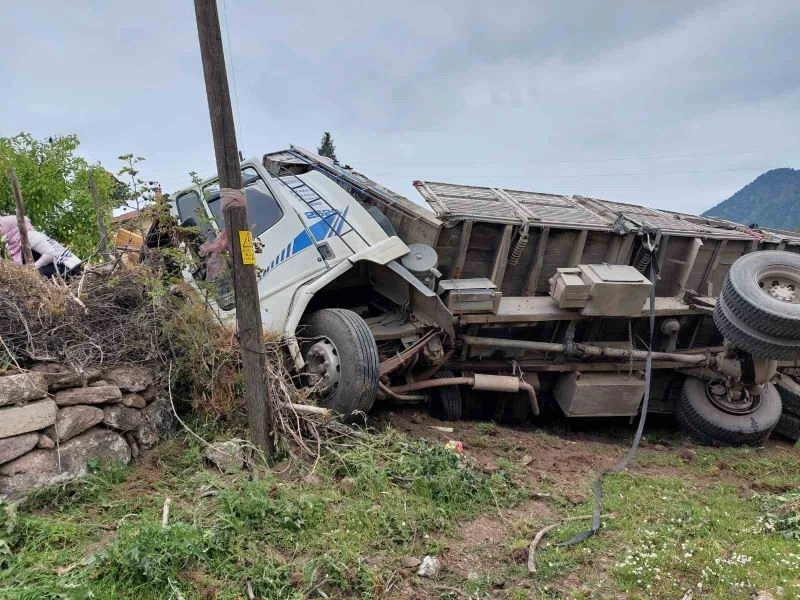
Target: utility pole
<point>234,208</point>
<point>23,230</point>
<point>102,247</point>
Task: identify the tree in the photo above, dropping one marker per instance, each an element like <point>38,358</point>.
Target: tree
<point>326,147</point>
<point>55,187</point>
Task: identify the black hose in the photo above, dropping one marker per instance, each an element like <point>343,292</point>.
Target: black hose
<point>623,464</point>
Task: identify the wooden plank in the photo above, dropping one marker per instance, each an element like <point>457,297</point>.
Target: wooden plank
<point>577,249</point>
<point>102,246</point>
<point>461,253</point>
<point>713,263</point>
<point>501,257</point>
<point>662,252</point>
<point>626,249</point>
<point>612,250</point>
<point>538,258</point>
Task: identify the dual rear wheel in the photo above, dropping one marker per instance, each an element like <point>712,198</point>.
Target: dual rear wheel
<point>759,307</point>
<point>708,413</point>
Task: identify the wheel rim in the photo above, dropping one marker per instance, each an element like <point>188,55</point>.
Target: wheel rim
<point>721,397</point>
<point>781,283</point>
<point>323,365</point>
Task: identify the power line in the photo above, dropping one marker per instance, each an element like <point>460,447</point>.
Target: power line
<point>573,176</point>
<point>233,72</point>
<point>581,161</point>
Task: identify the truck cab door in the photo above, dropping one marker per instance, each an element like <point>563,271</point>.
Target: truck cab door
<point>286,255</point>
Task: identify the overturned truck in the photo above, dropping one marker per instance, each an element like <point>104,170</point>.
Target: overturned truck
<point>533,296</point>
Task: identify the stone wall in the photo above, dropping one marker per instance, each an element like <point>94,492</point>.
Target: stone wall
<point>54,421</point>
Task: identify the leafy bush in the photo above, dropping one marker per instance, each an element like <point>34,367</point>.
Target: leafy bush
<point>55,187</point>
<point>147,554</point>
<point>277,512</point>
<point>782,514</point>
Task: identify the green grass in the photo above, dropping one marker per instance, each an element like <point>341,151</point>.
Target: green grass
<point>725,522</point>
<point>672,534</point>
<point>96,539</point>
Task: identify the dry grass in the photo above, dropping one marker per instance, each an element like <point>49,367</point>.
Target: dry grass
<point>102,319</point>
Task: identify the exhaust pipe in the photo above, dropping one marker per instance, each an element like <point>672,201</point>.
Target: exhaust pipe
<point>489,383</point>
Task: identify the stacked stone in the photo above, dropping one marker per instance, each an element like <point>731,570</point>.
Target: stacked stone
<point>54,421</point>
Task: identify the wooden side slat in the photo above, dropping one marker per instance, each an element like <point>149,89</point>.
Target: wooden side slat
<point>501,257</point>
<point>713,263</point>
<point>538,258</point>
<point>461,253</point>
<point>576,253</point>
<point>612,250</point>
<point>626,250</point>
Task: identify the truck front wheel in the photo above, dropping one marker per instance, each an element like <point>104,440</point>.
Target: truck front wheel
<point>341,360</point>
<point>707,413</point>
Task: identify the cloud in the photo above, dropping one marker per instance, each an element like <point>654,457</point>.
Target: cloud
<point>538,95</point>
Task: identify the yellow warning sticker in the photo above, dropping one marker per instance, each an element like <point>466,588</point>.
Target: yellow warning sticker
<point>246,244</point>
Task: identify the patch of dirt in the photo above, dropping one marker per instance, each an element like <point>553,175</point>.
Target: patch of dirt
<point>143,480</point>
<point>483,541</point>
<point>561,464</point>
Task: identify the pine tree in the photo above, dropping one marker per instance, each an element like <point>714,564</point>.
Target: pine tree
<point>326,147</point>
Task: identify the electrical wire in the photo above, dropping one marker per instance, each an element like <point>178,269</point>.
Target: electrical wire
<point>487,176</point>
<point>238,124</point>
<point>581,161</point>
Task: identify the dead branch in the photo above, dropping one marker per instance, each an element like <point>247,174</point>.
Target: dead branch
<point>165,513</point>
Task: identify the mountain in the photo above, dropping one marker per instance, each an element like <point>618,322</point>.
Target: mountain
<point>770,200</point>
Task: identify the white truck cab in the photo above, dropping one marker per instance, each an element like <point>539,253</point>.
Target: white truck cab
<point>322,260</point>
<point>304,226</point>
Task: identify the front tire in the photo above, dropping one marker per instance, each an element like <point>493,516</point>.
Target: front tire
<point>342,358</point>
<point>710,425</point>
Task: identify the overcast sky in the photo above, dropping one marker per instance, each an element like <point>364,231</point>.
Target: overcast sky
<point>669,104</point>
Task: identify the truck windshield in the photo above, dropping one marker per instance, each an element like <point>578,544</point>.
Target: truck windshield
<point>192,213</point>
<point>263,211</point>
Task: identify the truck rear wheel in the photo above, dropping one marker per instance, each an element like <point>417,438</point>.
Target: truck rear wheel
<point>750,339</point>
<point>759,307</point>
<point>341,360</point>
<point>763,288</point>
<point>789,426</point>
<point>446,402</point>
<point>713,420</point>
<point>789,390</point>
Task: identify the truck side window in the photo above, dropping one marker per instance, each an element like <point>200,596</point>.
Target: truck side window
<point>192,213</point>
<point>263,211</point>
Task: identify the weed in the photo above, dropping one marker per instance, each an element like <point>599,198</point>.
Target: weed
<point>277,512</point>
<point>286,538</point>
<point>92,489</point>
<point>146,554</point>
<point>782,514</point>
